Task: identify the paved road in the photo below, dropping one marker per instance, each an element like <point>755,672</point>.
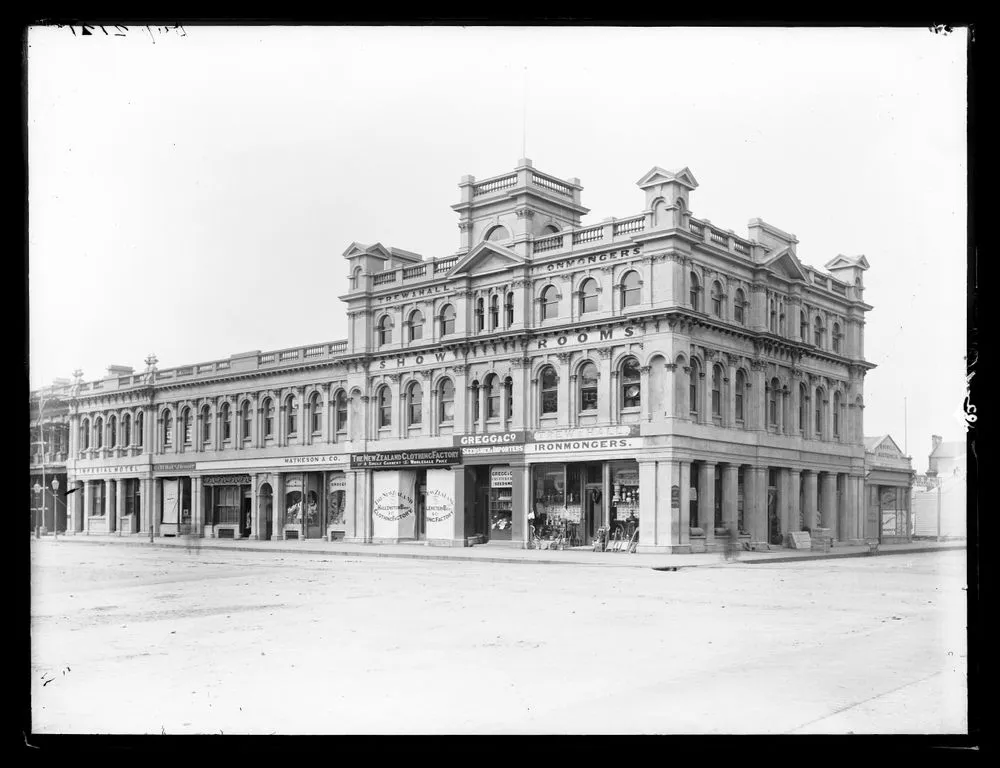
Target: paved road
<point>134,640</point>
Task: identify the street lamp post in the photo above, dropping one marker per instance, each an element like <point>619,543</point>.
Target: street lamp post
<point>38,526</point>
<point>55,508</point>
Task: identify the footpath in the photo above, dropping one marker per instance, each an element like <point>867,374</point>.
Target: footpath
<point>499,553</point>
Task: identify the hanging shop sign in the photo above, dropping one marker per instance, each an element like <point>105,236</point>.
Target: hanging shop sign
<point>226,480</point>
<point>444,457</point>
<point>501,477</point>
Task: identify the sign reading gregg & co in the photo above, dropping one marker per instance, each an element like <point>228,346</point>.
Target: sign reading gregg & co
<point>444,457</point>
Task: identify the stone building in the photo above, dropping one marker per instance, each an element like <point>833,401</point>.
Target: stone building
<point>888,488</point>
<point>549,379</point>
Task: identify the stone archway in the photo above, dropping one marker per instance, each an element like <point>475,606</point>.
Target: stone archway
<point>265,515</point>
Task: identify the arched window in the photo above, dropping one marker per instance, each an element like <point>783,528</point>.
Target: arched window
<point>803,407</point>
<point>416,325</point>
<point>717,299</point>
<point>819,414</point>
<point>498,233</point>
<point>245,420</point>
<point>384,400</point>
<point>631,383</point>
<point>126,430</point>
<point>631,289</point>
<point>494,312</point>
<point>717,390</point>
<point>588,296</point>
<point>741,385</point>
<point>356,278</point>
<point>446,401</point>
<point>186,425</point>
<point>773,322</point>
<point>772,402</point>
<point>803,326</point>
<point>588,387</point>
<point>738,304</point>
<point>316,413</point>
<point>474,387</point>
<point>695,290</point>
<point>836,414</point>
<point>818,333</point>
<point>509,309</point>
<point>693,386</point>
<point>267,408</point>
<point>340,410</point>
<point>291,416</point>
<point>550,303</point>
<point>480,314</point>
<point>508,388</point>
<point>112,431</point>
<point>206,425</point>
<point>414,404</point>
<point>836,338</point>
<point>168,428</point>
<point>447,320</point>
<point>550,390</point>
<point>85,433</point>
<point>227,425</point>
<point>99,431</point>
<point>385,330</point>
<point>493,393</point>
<point>138,429</point>
<point>550,229</point>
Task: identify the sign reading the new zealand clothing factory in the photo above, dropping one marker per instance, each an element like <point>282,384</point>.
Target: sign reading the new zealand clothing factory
<point>491,443</point>
<point>443,457</point>
<point>226,480</point>
<point>392,505</point>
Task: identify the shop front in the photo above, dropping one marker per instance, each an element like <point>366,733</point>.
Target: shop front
<point>228,505</point>
<point>495,469</point>
<point>889,513</point>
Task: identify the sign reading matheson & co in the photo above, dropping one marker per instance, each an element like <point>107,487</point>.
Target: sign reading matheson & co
<point>444,457</point>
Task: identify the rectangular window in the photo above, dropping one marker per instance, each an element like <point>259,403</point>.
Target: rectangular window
<point>716,403</point>
<point>550,401</point>
<point>226,429</point>
<point>416,413</point>
<point>588,398</point>
<point>739,406</point>
<point>341,416</point>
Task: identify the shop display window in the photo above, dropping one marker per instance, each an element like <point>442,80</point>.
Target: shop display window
<point>501,503</point>
<point>293,508</point>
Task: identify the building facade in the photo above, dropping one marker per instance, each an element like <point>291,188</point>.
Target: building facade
<point>547,382</point>
<point>888,489</point>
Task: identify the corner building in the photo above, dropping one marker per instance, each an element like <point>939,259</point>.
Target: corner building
<point>548,380</point>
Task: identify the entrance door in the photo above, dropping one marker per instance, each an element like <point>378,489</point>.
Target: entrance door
<point>593,496</point>
<point>313,519</point>
<point>773,519</point>
<point>266,520</point>
<point>245,512</point>
<point>420,529</point>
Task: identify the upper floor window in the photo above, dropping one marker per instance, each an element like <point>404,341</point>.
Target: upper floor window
<point>356,278</point>
<point>206,425</point>
<point>416,325</point>
<point>631,289</point>
<point>717,299</point>
<point>588,296</point>
<point>509,309</point>
<point>693,385</point>
<point>499,232</point>
<point>836,414</point>
<point>717,390</point>
<point>316,413</point>
<point>772,403</point>
<point>112,431</point>
<point>341,411</point>
<point>186,425</point>
<point>819,414</point>
<point>741,384</point>
<point>550,229</point>
<point>494,312</point>
<point>818,333</point>
<point>550,390</point>
<point>803,326</point>
<point>99,431</point>
<point>836,338</point>
<point>474,388</point>
<point>492,396</point>
<point>803,407</point>
<point>508,389</point>
<point>126,430</point>
<point>631,383</point>
<point>268,409</point>
<point>480,314</point>
<point>773,317</point>
<point>385,330</point>
<point>414,404</point>
<point>245,420</point>
<point>139,421</point>
<point>446,401</point>
<point>447,320</point>
<point>738,305</point>
<point>227,423</point>
<point>168,428</point>
<point>695,290</point>
<point>291,416</point>
<point>384,400</point>
<point>550,303</point>
<point>588,387</point>
<point>85,433</point>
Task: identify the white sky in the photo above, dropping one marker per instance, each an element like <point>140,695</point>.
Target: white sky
<point>192,196</point>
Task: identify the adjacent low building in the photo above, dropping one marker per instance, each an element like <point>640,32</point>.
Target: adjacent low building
<point>548,381</point>
<point>888,486</point>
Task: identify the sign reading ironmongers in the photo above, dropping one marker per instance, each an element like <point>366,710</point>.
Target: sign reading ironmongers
<point>226,480</point>
<point>444,457</point>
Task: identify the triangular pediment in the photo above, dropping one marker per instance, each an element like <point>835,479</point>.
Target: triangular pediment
<point>785,263</point>
<point>886,447</point>
<point>657,175</point>
<point>360,249</point>
<point>486,257</point>
<point>842,261</point>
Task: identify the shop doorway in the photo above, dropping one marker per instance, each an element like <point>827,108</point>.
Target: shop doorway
<point>266,520</point>
<point>245,512</point>
<point>420,506</point>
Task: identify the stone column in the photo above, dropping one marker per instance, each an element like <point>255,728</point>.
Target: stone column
<point>426,405</point>
<point>706,501</point>
<point>606,405</point>
<point>794,492</point>
<point>685,510</point>
<point>788,512</point>
<point>197,506</point>
<point>670,406</point>
<point>730,490</point>
<point>829,502</point>
<point>119,504</point>
<point>157,505</point>
<point>481,422</point>
<point>843,522</point>
<point>810,481</point>
<point>519,373</point>
<point>729,411</point>
<point>278,508</point>
<point>88,502</point>
<point>109,505</point>
<point>757,400</point>
<point>758,504</point>
<point>565,385</point>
